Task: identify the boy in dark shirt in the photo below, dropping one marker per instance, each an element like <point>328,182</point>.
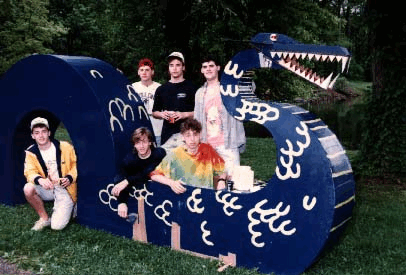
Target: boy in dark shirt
<point>174,101</point>
<point>136,167</point>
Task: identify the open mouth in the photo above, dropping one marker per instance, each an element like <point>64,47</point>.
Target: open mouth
<point>290,61</point>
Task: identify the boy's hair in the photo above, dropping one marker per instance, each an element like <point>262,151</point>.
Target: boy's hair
<point>209,58</point>
<point>190,124</point>
<point>138,133</point>
<point>146,62</point>
<point>39,125</point>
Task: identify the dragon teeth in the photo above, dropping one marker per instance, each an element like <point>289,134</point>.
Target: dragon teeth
<point>331,85</point>
<point>326,82</point>
<point>289,61</point>
<point>344,63</point>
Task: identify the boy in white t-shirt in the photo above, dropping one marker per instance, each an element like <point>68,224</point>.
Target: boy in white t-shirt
<point>50,169</point>
<point>146,90</point>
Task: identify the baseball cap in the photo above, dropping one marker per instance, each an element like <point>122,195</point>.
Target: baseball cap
<point>177,55</point>
<point>39,120</point>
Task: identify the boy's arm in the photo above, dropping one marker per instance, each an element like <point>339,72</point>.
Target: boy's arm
<point>176,186</point>
<point>72,174</point>
<point>31,172</point>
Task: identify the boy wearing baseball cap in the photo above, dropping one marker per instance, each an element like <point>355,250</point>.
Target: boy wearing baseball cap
<point>50,170</point>
<point>146,88</point>
<point>174,101</point>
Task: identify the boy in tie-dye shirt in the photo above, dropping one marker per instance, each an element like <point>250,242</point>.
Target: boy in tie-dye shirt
<point>194,163</point>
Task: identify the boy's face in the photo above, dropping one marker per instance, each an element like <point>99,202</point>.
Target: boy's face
<point>176,68</point>
<point>191,139</point>
<point>210,70</point>
<point>143,146</point>
<point>41,135</point>
<point>145,73</point>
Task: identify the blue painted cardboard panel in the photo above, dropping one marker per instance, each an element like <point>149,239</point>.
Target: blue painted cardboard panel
<point>282,228</point>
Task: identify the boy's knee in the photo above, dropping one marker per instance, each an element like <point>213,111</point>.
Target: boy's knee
<point>29,190</point>
<point>58,226</point>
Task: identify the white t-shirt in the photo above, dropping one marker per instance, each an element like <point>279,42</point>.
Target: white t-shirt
<point>49,157</point>
<point>147,94</point>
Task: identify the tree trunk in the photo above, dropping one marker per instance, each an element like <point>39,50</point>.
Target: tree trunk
<point>384,146</point>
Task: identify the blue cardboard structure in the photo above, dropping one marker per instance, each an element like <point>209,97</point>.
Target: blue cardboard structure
<point>281,228</point>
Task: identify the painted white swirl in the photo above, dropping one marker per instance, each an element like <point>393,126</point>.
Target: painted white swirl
<point>142,110</point>
<point>131,93</point>
<point>291,153</point>
<point>227,204</point>
<point>192,199</point>
<point>96,74</point>
<point>260,110</point>
<point>164,212</point>
<point>107,191</point>
<point>122,108</point>
<point>229,90</point>
<point>309,206</point>
<point>142,193</point>
<point>275,214</point>
<point>205,234</point>
<point>233,71</point>
<point>254,234</point>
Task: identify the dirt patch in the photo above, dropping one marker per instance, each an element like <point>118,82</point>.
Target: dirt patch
<point>8,268</point>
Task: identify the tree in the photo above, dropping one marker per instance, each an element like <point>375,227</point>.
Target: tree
<point>384,145</point>
<point>25,30</point>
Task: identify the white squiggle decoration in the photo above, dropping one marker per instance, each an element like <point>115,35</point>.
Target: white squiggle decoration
<point>309,206</point>
<point>196,202</point>
<point>205,234</point>
<point>275,213</point>
<point>142,193</point>
<point>141,109</point>
<point>290,153</point>
<point>233,71</point>
<point>230,204</point>
<point>110,196</point>
<point>94,73</point>
<point>229,90</point>
<point>131,93</point>
<point>123,108</point>
<point>260,110</point>
<point>164,212</point>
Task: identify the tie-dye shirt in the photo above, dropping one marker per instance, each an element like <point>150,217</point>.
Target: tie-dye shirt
<point>197,170</point>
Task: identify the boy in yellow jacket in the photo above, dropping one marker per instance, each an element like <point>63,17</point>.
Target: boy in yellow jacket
<point>50,169</point>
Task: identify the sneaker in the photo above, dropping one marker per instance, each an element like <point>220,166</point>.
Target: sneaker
<point>41,224</point>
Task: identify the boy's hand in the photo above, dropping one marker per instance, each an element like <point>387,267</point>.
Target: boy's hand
<point>122,210</point>
<point>119,187</point>
<point>177,187</point>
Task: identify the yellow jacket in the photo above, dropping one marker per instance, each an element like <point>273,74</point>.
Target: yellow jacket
<point>35,168</point>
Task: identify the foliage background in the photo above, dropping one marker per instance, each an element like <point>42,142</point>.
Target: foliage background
<point>121,32</point>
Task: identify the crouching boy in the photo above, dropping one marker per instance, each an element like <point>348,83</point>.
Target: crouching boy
<point>50,170</point>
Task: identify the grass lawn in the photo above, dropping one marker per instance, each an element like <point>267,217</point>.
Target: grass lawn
<point>374,241</point>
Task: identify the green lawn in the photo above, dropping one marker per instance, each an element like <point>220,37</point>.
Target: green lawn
<point>373,243</point>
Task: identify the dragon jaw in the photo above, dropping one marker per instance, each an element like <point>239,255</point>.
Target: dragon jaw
<point>282,52</point>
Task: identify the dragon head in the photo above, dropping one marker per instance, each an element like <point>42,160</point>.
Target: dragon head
<point>278,51</point>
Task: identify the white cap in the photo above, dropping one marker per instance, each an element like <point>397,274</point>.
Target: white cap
<point>178,55</point>
<point>39,120</point>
